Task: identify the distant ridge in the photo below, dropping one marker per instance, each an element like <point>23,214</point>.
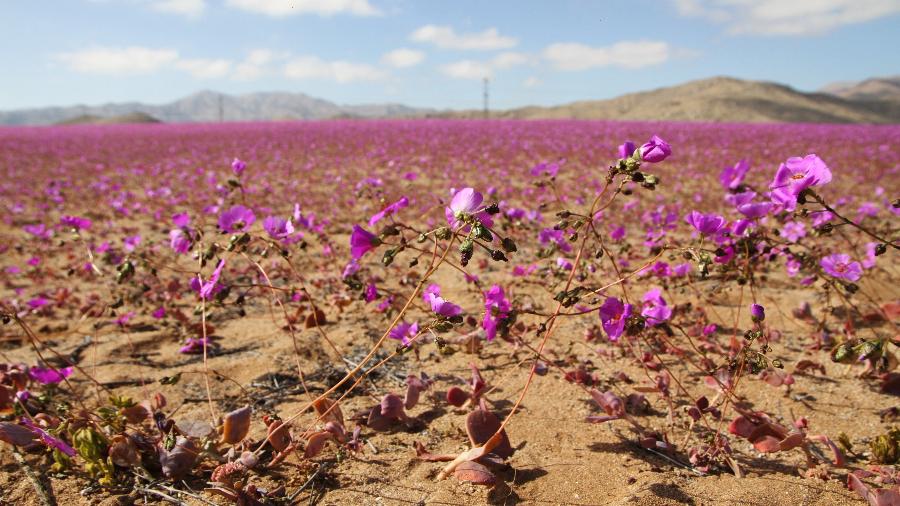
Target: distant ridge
<point>877,88</point>
<point>88,119</point>
<point>718,99</point>
<point>875,100</point>
<point>204,106</point>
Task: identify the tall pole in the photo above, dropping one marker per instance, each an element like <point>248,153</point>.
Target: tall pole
<point>486,113</point>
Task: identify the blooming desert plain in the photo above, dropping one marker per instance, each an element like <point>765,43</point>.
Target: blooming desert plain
<point>450,312</point>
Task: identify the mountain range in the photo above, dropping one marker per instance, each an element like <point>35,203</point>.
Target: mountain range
<point>875,100</point>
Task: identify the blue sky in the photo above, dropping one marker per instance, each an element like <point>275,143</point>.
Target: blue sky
<point>430,53</point>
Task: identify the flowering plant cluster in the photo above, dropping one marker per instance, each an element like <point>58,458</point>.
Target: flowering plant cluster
<point>244,305</point>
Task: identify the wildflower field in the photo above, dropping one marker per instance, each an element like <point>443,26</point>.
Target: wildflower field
<point>450,312</point>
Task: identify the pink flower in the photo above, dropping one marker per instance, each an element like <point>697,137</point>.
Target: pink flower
<point>432,297</point>
<point>48,376</point>
<point>466,202</point>
<point>404,332</point>
<point>795,175</point>
<point>793,231</point>
<point>613,314</point>
<point>362,242</point>
<point>75,222</point>
<point>655,309</point>
<point>238,166</point>
<point>179,241</point>
<point>236,219</point>
<point>626,149</point>
<point>839,265</point>
<point>211,287</point>
<point>48,440</point>
<point>279,228</point>
<point>496,309</point>
<point>388,211</point>
<point>706,224</point>
<point>655,150</point>
<point>732,177</point>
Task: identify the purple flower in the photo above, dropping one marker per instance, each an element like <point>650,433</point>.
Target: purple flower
<point>404,332</point>
<point>278,228</point>
<point>131,242</point>
<point>626,149</point>
<point>179,241</point>
<point>795,175</point>
<point>238,166</point>
<point>40,230</point>
<point>754,210</point>
<point>793,231</point>
<point>496,309</point>
<point>194,345</point>
<point>613,314</point>
<point>388,211</point>
<point>739,199</point>
<point>757,312</point>
<point>563,264</point>
<point>211,287</point>
<point>371,292</point>
<point>47,376</point>
<point>545,168</point>
<point>48,440</point>
<point>181,220</point>
<point>432,297</point>
<point>617,233</point>
<point>705,223</point>
<point>350,269</point>
<point>732,177</point>
<point>159,313</point>
<point>871,258</point>
<point>466,202</point>
<point>655,150</point>
<point>75,222</point>
<point>236,219</point>
<point>655,309</point>
<point>839,265</point>
<point>362,242</point>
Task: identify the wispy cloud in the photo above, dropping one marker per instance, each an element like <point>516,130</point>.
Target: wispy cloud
<point>626,54</point>
<point>132,60</point>
<point>787,17</point>
<point>202,68</point>
<point>313,67</point>
<point>283,8</point>
<point>446,38</point>
<point>403,57</point>
<point>189,8</point>
<point>471,69</point>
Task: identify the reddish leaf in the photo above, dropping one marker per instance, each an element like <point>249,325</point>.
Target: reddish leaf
<point>316,443</point>
<point>16,435</point>
<point>236,425</point>
<point>473,472</point>
<point>178,461</point>
<point>457,396</point>
<point>481,424</point>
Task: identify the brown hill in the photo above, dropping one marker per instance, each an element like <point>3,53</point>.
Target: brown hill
<point>89,119</point>
<point>715,99</point>
<point>878,88</point>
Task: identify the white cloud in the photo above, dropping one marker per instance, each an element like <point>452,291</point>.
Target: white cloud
<point>204,68</point>
<point>531,82</point>
<point>627,54</point>
<point>313,67</point>
<point>403,57</point>
<point>282,8</point>
<point>787,17</point>
<point>467,69</point>
<point>509,59</point>
<point>132,60</point>
<point>256,64</point>
<point>445,37</point>
<point>471,69</point>
<point>190,8</point>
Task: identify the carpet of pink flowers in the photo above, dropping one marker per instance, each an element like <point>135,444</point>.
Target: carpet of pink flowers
<point>358,311</point>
